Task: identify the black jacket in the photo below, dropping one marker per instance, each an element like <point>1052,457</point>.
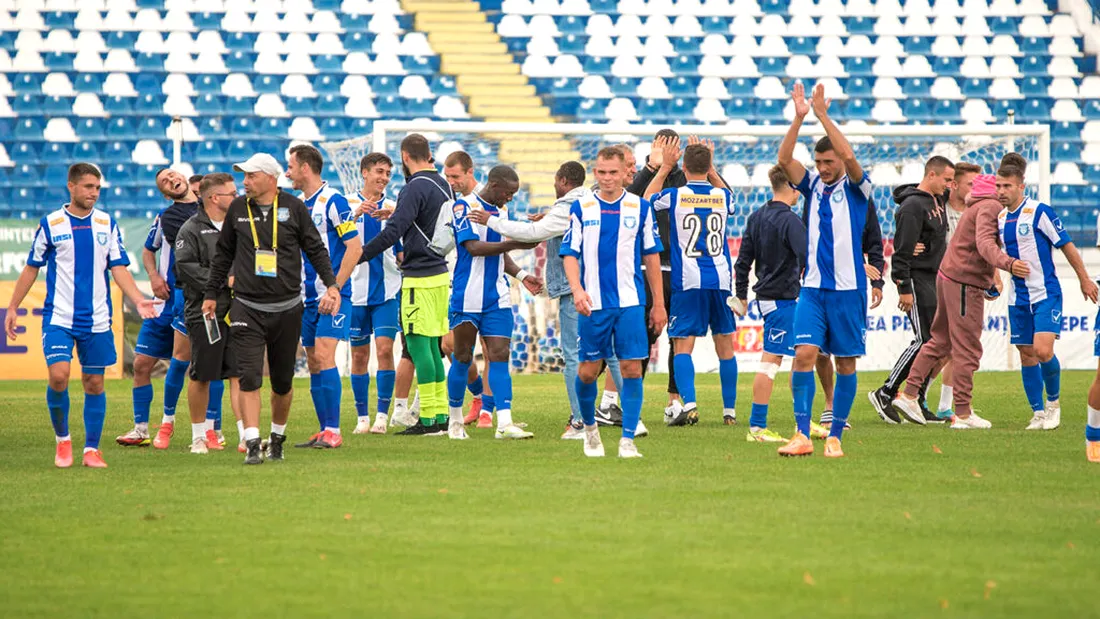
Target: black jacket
<point>297,235</point>
<point>775,240</point>
<point>413,222</point>
<point>196,244</point>
<point>920,218</point>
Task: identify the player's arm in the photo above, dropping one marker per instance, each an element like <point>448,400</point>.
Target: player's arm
<point>745,257</point>
<point>670,154</point>
<point>987,236</point>
<point>795,237</point>
<point>117,262</point>
<point>153,242</point>
<point>1051,227</point>
<point>22,287</point>
<point>651,249</point>
<point>840,143</point>
<point>555,223</point>
<point>796,172</point>
<point>570,253</point>
<point>485,248</point>
<point>403,217</point>
<point>872,246</point>
<point>344,221</point>
<point>532,283</point>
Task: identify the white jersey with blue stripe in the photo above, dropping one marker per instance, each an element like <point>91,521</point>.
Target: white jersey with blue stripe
<point>835,218</point>
<point>166,259</point>
<point>609,239</point>
<point>1029,233</point>
<point>332,216</point>
<point>698,213</point>
<point>377,281</point>
<point>78,253</point>
<point>479,284</point>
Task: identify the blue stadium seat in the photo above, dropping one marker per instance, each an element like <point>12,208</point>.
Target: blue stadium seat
<point>330,105</point>
<point>207,20</point>
<point>916,87</point>
<point>571,44</point>
<point>1092,174</point>
<point>682,110</point>
<point>118,152</point>
<point>741,87</point>
<point>572,24</point>
<point>418,108</point>
<point>946,110</point>
<point>326,5</point>
<point>84,151</point>
<point>122,40</point>
<point>354,22</point>
<point>208,84</point>
<point>244,127</point>
<point>1034,110</point>
<point>1066,151</point>
<point>776,67</point>
<point>421,65</point>
<point>518,45</point>
<point>1001,107</point>
<point>715,25</point>
<point>240,61</point>
<point>23,152</point>
<point>947,67</point>
<point>384,85</point>
<point>803,45</point>
<point>88,82</point>
<point>1090,197</point>
<point>360,127</point>
<point>89,129</point>
<point>682,86</point>
<point>148,83</point>
<point>1091,109</point>
<point>624,86</point>
<point>152,128</point>
<point>770,110</point>
<point>564,87</point>
<point>239,150</point>
<point>1002,25</point>
<point>860,25</point>
<point>685,65</point>
<point>685,45</point>
<point>25,176</point>
<point>150,4</point>
<point>239,106</point>
<point>28,129</point>
<point>266,84</point>
<point>1066,197</point>
<point>595,65</point>
<point>859,109</point>
<point>1034,65</point>
<point>59,20</point>
<point>149,62</point>
<point>975,88</point>
<point>27,105</point>
<point>652,109</point>
<point>774,7</point>
<point>444,85</point>
<point>210,104</point>
<point>858,87</point>
<point>921,46</point>
<point>58,61</point>
<point>240,41</point>
<point>149,104</point>
<point>27,83</point>
<point>274,127</point>
<point>7,41</point>
<point>324,84</point>
<point>213,128</point>
<point>858,67</point>
<point>329,63</point>
<point>603,6</point>
<point>917,109</point>
<point>358,42</point>
<point>389,106</point>
<point>1034,87</point>
<point>299,106</point>
<point>1034,45</point>
<point>334,128</point>
<point>56,175</point>
<point>209,152</point>
<point>54,153</point>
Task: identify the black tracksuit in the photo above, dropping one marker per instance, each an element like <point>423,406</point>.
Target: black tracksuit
<point>920,218</point>
<point>196,245</point>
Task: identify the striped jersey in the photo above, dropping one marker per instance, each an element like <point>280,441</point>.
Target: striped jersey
<point>698,214</point>
<point>332,216</point>
<point>1028,234</point>
<point>162,236</point>
<point>835,217</point>
<point>78,253</point>
<point>479,284</point>
<point>377,281</point>
<point>609,239</point>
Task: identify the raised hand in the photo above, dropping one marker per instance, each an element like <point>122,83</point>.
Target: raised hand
<point>656,150</point>
<point>798,97</point>
<point>671,153</point>
<point>819,102</point>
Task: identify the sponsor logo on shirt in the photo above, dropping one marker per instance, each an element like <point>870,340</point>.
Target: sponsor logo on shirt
<point>703,201</point>
<point>105,222</point>
<point>591,222</point>
<point>61,237</point>
<point>54,222</point>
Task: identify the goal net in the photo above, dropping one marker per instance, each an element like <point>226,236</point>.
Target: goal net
<point>892,155</point>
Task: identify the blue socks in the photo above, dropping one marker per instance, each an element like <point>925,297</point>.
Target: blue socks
<point>476,387</point>
<point>632,405</point>
<point>456,383</point>
<point>843,397</point>
<point>173,384</point>
<point>500,381</point>
<point>685,377</point>
<point>360,389</point>
<point>1033,386</point>
<point>803,386</point>
<point>58,404</point>
<point>214,405</point>
<point>95,411</point>
<point>727,374</point>
<point>317,394</point>
<point>385,380</point>
<point>488,402</point>
<point>1052,378</point>
<point>586,395</point>
<point>143,401</point>
<point>333,390</point>
<point>759,416</point>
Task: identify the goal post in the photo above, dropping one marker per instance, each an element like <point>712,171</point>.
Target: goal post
<point>891,154</point>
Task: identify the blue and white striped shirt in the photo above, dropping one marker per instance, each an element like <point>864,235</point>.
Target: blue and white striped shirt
<point>479,284</point>
<point>837,214</point>
<point>1028,234</point>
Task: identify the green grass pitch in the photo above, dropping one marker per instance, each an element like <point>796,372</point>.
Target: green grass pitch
<point>914,522</point>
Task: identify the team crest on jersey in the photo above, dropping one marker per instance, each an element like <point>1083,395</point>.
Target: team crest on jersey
<point>318,219</point>
<point>1024,229</point>
<point>101,237</point>
<point>838,197</point>
<point>630,222</point>
<point>283,214</point>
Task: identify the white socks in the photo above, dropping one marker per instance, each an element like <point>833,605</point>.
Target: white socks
<point>169,419</point>
<point>456,413</point>
<point>142,427</point>
<point>400,404</point>
<point>947,398</point>
<point>1094,417</point>
<point>609,398</point>
<point>62,439</point>
<point>198,430</point>
<point>504,417</point>
<point>209,424</point>
<point>240,429</point>
<point>251,433</point>
<point>278,429</point>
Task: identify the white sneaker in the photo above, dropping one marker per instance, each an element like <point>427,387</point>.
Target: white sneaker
<point>627,449</point>
<point>593,446</point>
<point>406,418</point>
<point>362,426</point>
<point>198,446</point>
<point>573,433</point>
<point>456,430</point>
<point>513,431</point>
<point>641,430</point>
<point>1054,415</point>
<point>672,410</point>
<point>1037,420</point>
<point>973,422</point>
<point>910,409</point>
<point>379,426</point>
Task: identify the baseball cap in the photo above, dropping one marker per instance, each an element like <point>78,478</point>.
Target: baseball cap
<point>260,162</point>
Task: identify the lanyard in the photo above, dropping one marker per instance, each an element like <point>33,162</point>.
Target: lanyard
<point>274,224</point>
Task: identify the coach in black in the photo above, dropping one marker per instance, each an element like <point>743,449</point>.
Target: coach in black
<point>920,218</point>
<point>263,239</point>
<point>211,357</point>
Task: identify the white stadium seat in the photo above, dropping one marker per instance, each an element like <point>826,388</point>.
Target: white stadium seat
<point>59,41</point>
<point>801,67</point>
<point>304,129</point>
<point>1006,8</point>
<point>947,25</point>
<point>1066,110</point>
<point>709,110</point>
<point>889,25</point>
<point>1004,88</point>
<point>945,46</point>
<point>1063,66</point>
<point>770,87</point>
<point>858,46</point>
<point>975,26</point>
<point>57,85</point>
<point>512,26</point>
<point>270,106</point>
<point>978,8</point>
<point>736,175</point>
<point>28,61</point>
<point>976,46</point>
<point>1062,45</point>
<point>353,86</point>
<point>543,24</point>
<point>885,174</point>
<point>450,108</point>
<point>566,65</point>
<point>148,152</point>
<point>627,66</point>
<point>1035,26</point>
<point>238,85</point>
<point>946,88</point>
<point>887,88</point>
<point>1063,88</point>
<point>653,87</point>
<point>545,45</point>
<point>887,111</point>
<point>917,8</point>
<point>621,108</point>
<point>889,45</point>
<point>658,45</point>
<point>1004,66</point>
<point>119,85</point>
<point>741,45</point>
<point>1061,25</point>
<point>976,111</point>
<point>712,88</point>
<point>59,130</point>
<point>1090,87</point>
<point>860,8</point>
<point>975,67</point>
<point>888,66</point>
<point>1067,173</point>
<point>594,87</point>
<point>179,105</point>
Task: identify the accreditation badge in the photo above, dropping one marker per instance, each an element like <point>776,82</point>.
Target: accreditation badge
<point>265,263</point>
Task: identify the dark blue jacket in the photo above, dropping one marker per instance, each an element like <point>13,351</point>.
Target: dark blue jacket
<point>775,240</point>
<point>413,222</point>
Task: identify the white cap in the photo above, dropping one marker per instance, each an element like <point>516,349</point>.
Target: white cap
<point>260,162</point>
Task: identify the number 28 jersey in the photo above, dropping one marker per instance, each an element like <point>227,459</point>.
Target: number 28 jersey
<point>697,232</point>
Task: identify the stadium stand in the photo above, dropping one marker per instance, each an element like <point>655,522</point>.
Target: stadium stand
<point>101,79</point>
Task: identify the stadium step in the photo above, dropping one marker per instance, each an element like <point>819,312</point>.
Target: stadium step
<point>490,80</point>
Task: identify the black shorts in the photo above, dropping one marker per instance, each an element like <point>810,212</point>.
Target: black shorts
<point>209,362</point>
<point>251,331</point>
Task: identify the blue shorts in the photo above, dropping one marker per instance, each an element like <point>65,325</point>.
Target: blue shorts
<point>382,320</point>
<point>833,320</point>
<point>778,330</point>
<point>316,324</point>
<point>95,350</point>
<point>694,311</point>
<point>1026,320</point>
<point>1096,336</point>
<point>179,323</point>
<point>156,337</point>
<point>493,323</point>
<point>613,333</point>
